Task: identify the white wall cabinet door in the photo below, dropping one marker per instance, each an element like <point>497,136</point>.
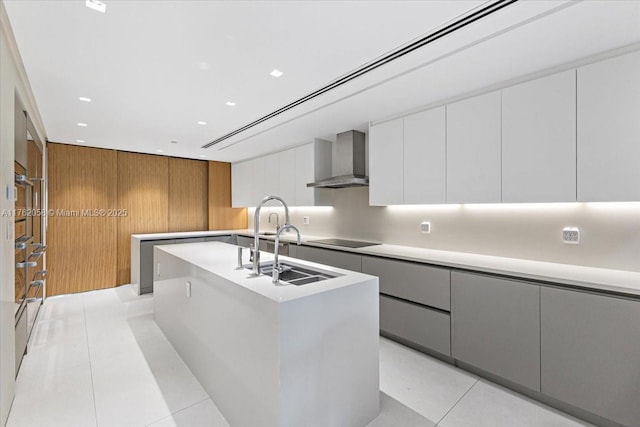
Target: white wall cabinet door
<point>539,140</point>
<point>286,176</point>
<point>258,181</point>
<point>386,168</point>
<point>609,130</point>
<point>425,157</point>
<point>271,175</point>
<point>241,184</point>
<point>304,167</point>
<point>474,170</point>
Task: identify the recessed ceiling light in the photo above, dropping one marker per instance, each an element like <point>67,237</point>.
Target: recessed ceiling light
<point>96,5</point>
<point>160,151</point>
<point>202,155</point>
<point>202,123</point>
<point>276,73</point>
<point>82,98</point>
<point>230,103</point>
<point>81,141</point>
<point>84,125</point>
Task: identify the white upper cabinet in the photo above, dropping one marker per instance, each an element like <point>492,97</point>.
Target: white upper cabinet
<point>258,175</point>
<point>271,175</point>
<point>425,157</point>
<point>303,196</point>
<point>286,175</point>
<point>241,184</point>
<point>539,140</point>
<point>474,150</point>
<point>312,163</point>
<point>386,163</point>
<point>609,130</point>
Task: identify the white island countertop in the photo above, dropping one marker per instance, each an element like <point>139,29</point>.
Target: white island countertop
<point>221,259</point>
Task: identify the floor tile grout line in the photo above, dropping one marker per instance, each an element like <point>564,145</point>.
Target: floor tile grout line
<point>458,401</point>
<point>93,390</point>
<point>178,411</point>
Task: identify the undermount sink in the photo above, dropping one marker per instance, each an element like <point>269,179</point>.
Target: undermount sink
<point>293,274</point>
<point>268,233</point>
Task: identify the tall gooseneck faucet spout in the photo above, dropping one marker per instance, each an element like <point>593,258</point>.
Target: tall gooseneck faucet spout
<point>256,230</point>
<point>276,263</point>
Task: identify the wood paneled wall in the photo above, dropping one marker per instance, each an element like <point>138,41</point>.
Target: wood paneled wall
<point>221,214</point>
<point>159,194</point>
<point>187,195</point>
<point>82,249</point>
<point>143,182</point>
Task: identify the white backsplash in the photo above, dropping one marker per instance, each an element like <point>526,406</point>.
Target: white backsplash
<point>610,232</point>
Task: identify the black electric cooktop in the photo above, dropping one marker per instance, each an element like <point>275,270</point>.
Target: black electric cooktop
<point>344,243</point>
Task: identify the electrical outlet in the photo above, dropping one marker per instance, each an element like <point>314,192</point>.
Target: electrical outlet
<point>571,235</point>
<point>425,227</point>
<point>305,220</point>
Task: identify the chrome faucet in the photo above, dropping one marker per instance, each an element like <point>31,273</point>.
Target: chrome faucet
<point>256,230</point>
<point>276,262</point>
<point>277,219</point>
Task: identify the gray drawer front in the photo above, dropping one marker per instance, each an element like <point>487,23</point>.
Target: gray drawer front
<point>495,326</point>
<point>245,241</point>
<point>337,259</point>
<point>225,239</point>
<point>420,325</point>
<point>420,283</point>
<point>591,353</point>
<point>190,240</point>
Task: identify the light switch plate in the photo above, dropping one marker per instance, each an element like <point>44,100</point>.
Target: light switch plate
<point>425,227</point>
<point>305,220</point>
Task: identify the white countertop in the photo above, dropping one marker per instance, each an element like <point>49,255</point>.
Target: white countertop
<point>221,259</point>
<point>619,281</point>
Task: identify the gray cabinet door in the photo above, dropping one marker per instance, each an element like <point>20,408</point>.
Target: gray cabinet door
<point>338,259</point>
<point>495,326</point>
<point>591,353</point>
<point>146,263</point>
<point>420,325</point>
<point>414,282</point>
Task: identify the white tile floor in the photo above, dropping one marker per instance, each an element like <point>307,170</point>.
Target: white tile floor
<point>98,359</point>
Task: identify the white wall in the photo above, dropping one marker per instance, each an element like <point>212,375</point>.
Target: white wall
<point>610,231</point>
<point>13,83</point>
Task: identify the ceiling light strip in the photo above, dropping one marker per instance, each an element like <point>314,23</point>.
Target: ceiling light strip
<point>454,26</point>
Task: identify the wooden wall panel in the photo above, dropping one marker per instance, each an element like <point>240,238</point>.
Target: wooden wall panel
<point>143,190</point>
<point>187,194</point>
<point>82,248</point>
<point>221,215</point>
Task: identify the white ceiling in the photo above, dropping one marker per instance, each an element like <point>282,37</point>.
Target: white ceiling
<point>154,69</point>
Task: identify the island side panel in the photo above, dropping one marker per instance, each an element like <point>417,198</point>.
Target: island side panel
<point>135,264</point>
<point>226,334</point>
<point>329,352</point>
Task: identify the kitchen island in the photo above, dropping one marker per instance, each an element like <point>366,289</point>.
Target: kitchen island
<point>271,355</point>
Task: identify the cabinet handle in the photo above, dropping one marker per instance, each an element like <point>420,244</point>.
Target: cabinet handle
<point>26,264</point>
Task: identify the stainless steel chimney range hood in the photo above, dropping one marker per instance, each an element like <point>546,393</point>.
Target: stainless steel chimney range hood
<point>348,162</point>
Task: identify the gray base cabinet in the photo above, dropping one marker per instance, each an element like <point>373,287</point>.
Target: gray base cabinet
<point>495,326</point>
<point>410,281</point>
<point>345,260</point>
<point>415,323</point>
<point>591,353</point>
